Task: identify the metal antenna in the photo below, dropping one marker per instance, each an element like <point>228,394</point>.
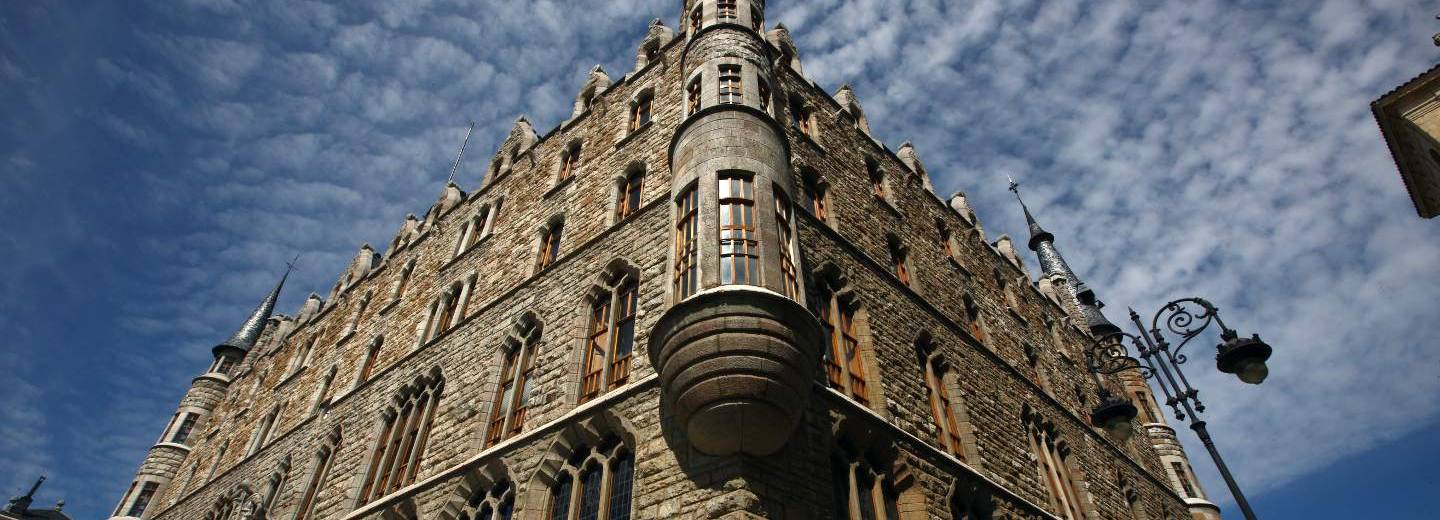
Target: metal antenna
<point>455,167</point>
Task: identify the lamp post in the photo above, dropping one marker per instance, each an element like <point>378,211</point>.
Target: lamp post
<point>1187,319</point>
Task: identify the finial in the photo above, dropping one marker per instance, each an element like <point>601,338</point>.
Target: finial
<point>290,266</point>
<point>1014,187</point>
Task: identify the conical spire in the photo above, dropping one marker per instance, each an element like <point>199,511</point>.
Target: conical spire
<point>1053,265</point>
<point>21,504</point>
<point>249,332</point>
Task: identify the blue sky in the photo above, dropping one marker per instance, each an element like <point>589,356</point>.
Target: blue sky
<point>161,159</point>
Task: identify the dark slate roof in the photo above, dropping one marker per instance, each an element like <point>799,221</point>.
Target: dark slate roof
<point>249,332</point>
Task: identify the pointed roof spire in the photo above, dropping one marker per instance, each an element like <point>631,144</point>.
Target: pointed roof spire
<point>249,332</point>
<point>21,504</point>
<point>1038,234</point>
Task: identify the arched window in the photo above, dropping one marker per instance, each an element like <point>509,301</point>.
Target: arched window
<point>324,461</point>
<point>687,234</point>
<point>844,363</point>
<point>818,193</point>
<point>732,90</point>
<point>739,238</point>
<point>405,429</point>
<point>974,320</point>
<point>403,282</point>
<point>801,117</point>
<point>628,201</point>
<point>550,245</point>
<point>451,307</point>
<point>786,233</point>
<point>610,342</point>
<point>692,96</point>
<point>367,364</point>
<point>569,161</point>
<point>261,435</point>
<point>512,395</point>
<point>900,259</point>
<point>877,178</point>
<point>496,502</point>
<point>594,484</point>
<point>640,110</point>
<point>862,492</point>
<point>1052,460</point>
<point>942,407</point>
<point>322,395</point>
<point>275,485</point>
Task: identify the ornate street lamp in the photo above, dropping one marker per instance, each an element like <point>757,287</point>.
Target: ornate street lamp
<point>1187,319</point>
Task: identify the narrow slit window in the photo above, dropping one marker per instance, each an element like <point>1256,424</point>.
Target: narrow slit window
<point>687,230</point>
<point>785,232</point>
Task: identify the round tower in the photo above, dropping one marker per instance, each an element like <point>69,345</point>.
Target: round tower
<point>737,351</point>
<point>163,461</point>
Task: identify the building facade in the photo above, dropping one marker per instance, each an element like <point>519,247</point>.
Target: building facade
<point>709,293</point>
<point>1409,119</point>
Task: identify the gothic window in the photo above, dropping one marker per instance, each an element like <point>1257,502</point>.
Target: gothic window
<point>687,231</point>
<point>900,260</point>
<point>786,234</point>
<point>550,245</point>
<point>844,363</point>
<point>367,364</point>
<point>731,89</point>
<point>275,485</point>
<point>863,493</point>
<point>652,52</point>
<point>142,500</point>
<point>801,117</point>
<point>187,424</point>
<point>595,484</point>
<point>947,240</point>
<point>496,502</point>
<point>640,110</point>
<point>739,239</point>
<point>569,161</point>
<point>942,407</point>
<point>404,281</point>
<point>359,312</point>
<point>451,308</point>
<point>322,396</point>
<point>819,196</point>
<point>405,428</point>
<point>877,177</point>
<point>610,341</point>
<point>974,320</point>
<point>1010,300</point>
<point>1052,460</point>
<point>215,462</point>
<point>696,17</point>
<point>324,461</point>
<point>1037,366</point>
<point>262,431</point>
<point>692,96</point>
<point>629,194</point>
<point>512,396</point>
<point>726,10</point>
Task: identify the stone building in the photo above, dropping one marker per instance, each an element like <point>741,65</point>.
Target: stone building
<point>19,507</point>
<point>1409,118</point>
<point>709,293</point>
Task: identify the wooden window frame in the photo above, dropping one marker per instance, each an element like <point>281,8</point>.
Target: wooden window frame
<point>739,236</point>
<point>850,376</point>
<point>732,84</point>
<point>686,280</point>
<point>784,224</point>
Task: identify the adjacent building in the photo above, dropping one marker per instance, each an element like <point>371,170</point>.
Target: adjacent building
<point>708,293</point>
<point>1409,118</point>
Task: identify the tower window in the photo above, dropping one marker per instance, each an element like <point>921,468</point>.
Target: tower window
<point>844,365</point>
<point>786,234</point>
<point>611,341</point>
<point>1184,478</point>
<point>696,17</point>
<point>187,425</point>
<point>512,397</point>
<point>692,96</point>
<point>223,365</point>
<point>687,231</point>
<point>629,196</point>
<point>731,89</point>
<point>640,112</point>
<point>401,444</point>
<point>739,241</point>
<point>142,501</point>
<point>757,19</point>
<point>764,91</point>
<point>550,245</point>
<point>726,10</point>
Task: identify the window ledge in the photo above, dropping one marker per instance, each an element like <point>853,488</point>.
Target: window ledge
<point>633,134</point>
<point>480,242</point>
<point>560,186</point>
<point>387,306</point>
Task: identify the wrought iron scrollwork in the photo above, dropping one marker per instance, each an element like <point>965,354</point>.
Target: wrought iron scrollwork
<point>1109,356</point>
